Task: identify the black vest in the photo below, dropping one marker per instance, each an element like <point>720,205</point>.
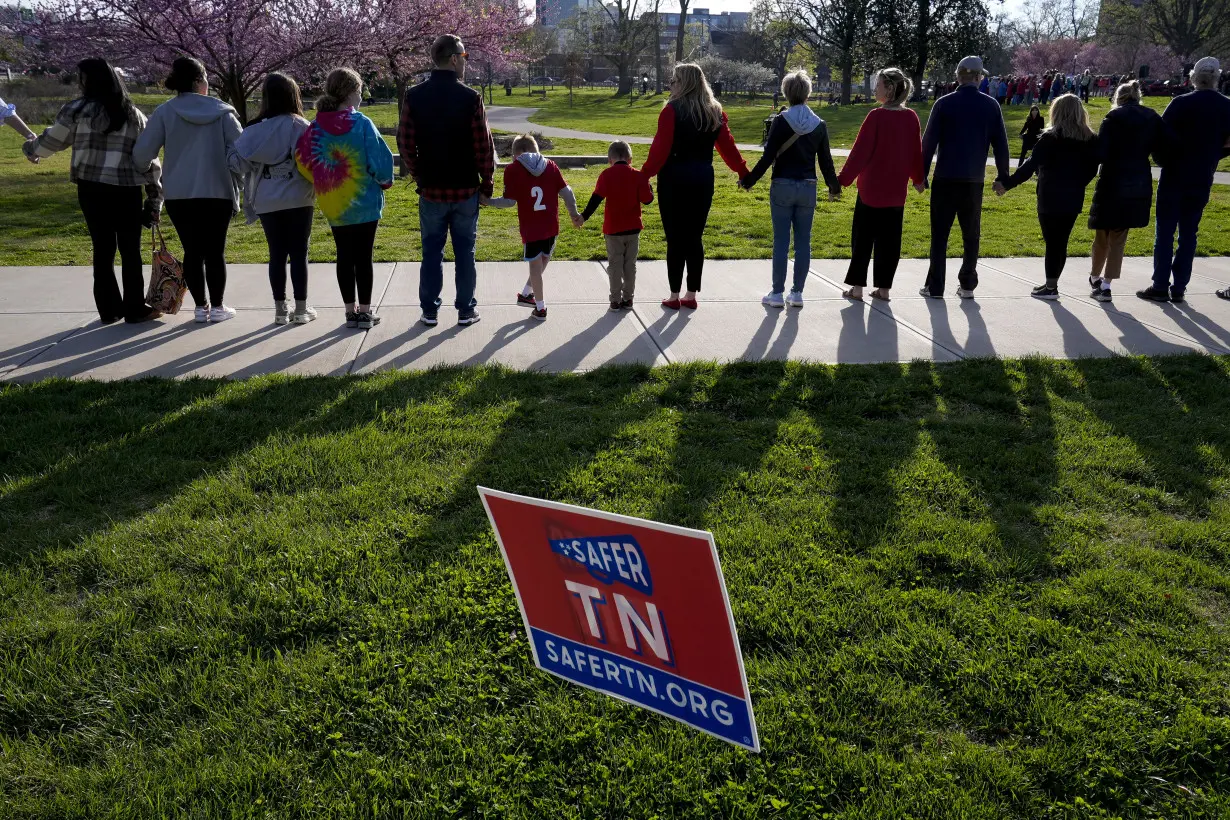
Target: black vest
<point>691,144</point>
<point>442,110</point>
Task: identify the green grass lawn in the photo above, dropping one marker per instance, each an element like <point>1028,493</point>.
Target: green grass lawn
<point>42,225</point>
<point>989,589</point>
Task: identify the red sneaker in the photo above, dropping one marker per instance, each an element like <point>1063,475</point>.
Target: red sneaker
<point>671,304</point>
<point>522,299</point>
<point>690,304</point>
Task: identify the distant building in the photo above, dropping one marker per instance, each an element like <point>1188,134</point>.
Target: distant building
<point>553,12</point>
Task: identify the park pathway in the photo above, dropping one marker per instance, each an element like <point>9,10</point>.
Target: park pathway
<point>517,120</point>
<point>581,333</point>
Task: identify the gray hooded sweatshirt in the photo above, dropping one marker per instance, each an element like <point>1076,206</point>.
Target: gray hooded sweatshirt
<point>266,154</point>
<point>198,134</point>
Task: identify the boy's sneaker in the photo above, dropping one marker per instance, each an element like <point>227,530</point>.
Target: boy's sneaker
<point>1152,294</point>
<point>352,319</point>
<point>367,321</point>
<point>1045,292</point>
<point>1100,295</point>
<point>964,294</point>
<point>302,317</point>
<point>201,316</point>
<point>795,299</point>
<point>281,313</point>
<point>1095,281</point>
<point>522,299</point>
<point>540,314</point>
<point>923,291</point>
<point>773,300</point>
<point>626,304</point>
<point>466,318</point>
<point>616,305</point>
<point>221,313</point>
<point>1176,296</point>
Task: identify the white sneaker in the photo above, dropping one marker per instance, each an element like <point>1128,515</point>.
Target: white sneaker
<point>964,294</point>
<point>202,315</point>
<point>281,313</point>
<point>773,300</point>
<point>795,299</point>
<point>221,313</point>
<point>302,317</point>
<point>924,292</point>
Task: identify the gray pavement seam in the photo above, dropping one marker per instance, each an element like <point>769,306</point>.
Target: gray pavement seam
<point>636,313</point>
<point>917,331</point>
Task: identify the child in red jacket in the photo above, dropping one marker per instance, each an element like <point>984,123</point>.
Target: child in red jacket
<point>625,190</point>
<point>532,183</point>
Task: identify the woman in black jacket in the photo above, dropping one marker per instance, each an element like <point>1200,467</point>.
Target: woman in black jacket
<point>1031,131</point>
<point>1123,197</point>
<point>1065,159</point>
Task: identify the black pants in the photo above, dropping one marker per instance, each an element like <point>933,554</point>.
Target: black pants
<point>960,199</point>
<point>875,230</point>
<point>1027,145</point>
<point>354,260</point>
<point>685,195</point>
<point>113,218</point>
<point>1056,229</point>
<point>202,225</point>
<point>288,233</point>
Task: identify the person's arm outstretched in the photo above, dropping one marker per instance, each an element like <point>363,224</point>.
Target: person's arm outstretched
<point>931,138</point>
<point>729,151</point>
<point>379,155</point>
<point>407,143</point>
<point>8,116</point>
<point>778,135</point>
<point>999,144</point>
<point>663,139</point>
<point>825,157</point>
<point>860,154</point>
<point>58,136</point>
<point>484,151</point>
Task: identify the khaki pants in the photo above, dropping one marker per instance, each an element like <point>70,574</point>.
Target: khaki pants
<point>1108,250</point>
<point>621,254</point>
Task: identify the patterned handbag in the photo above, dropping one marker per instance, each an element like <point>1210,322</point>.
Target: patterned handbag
<point>166,282</point>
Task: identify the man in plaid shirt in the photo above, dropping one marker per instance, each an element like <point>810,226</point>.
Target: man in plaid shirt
<point>446,146</point>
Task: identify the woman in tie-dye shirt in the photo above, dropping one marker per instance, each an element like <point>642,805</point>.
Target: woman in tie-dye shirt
<point>350,165</point>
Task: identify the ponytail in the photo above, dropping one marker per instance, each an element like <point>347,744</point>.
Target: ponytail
<point>340,84</point>
<point>901,87</point>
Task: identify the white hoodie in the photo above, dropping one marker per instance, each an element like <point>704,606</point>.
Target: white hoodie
<point>273,182</point>
<point>802,119</point>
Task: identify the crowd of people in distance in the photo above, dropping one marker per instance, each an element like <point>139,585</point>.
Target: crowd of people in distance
<point>282,166</point>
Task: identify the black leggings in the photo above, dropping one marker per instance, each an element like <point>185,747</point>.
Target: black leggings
<point>288,233</point>
<point>1056,229</point>
<point>354,260</point>
<point>877,229</point>
<point>202,225</point>
<point>1027,145</point>
<point>685,195</point>
<point>113,218</point>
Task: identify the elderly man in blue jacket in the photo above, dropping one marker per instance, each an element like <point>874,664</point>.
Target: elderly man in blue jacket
<point>1201,123</point>
<point>962,127</point>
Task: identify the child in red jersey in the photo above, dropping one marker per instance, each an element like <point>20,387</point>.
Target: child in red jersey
<point>625,190</point>
<point>532,182</point>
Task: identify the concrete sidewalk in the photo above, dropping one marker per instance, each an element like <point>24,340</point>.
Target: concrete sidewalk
<point>40,340</point>
<point>517,120</point>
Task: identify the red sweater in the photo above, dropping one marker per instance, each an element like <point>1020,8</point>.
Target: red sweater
<point>625,189</point>
<point>660,151</point>
<point>886,155</point>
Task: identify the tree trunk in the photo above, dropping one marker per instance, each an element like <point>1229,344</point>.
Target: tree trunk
<point>847,77</point>
<point>625,78</point>
<point>657,52</point>
<point>679,32</point>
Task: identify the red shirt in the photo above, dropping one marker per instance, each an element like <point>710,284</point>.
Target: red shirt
<point>886,155</point>
<point>625,189</point>
<point>537,199</point>
<point>664,138</point>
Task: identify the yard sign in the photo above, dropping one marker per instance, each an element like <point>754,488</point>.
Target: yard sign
<point>629,607</point>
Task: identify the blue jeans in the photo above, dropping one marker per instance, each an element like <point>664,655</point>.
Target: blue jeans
<point>792,203</point>
<point>1175,211</point>
<point>436,221</point>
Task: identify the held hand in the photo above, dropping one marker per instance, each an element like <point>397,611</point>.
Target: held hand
<point>834,194</point>
<point>998,188</point>
<point>578,221</point>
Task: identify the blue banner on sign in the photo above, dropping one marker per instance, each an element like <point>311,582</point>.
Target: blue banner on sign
<point>697,705</point>
<point>609,559</point>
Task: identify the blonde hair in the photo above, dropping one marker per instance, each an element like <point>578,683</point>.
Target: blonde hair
<point>1127,93</point>
<point>619,150</point>
<point>525,144</point>
<point>1070,119</point>
<point>901,87</point>
<point>693,98</point>
<point>796,87</point>
<point>340,84</point>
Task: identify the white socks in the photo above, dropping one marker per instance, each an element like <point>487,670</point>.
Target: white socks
<point>1105,284</point>
<point>540,304</point>
<point>527,291</point>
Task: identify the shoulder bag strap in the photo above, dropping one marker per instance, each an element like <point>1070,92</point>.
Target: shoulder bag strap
<point>786,147</point>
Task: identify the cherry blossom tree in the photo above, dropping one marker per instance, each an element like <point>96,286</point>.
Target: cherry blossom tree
<point>399,34</point>
<point>239,41</point>
<point>1045,55</point>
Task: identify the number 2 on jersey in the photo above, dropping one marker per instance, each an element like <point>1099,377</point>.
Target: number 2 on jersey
<point>536,192</point>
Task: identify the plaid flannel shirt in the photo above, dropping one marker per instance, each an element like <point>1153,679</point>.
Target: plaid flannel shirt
<point>484,155</point>
<point>97,155</point>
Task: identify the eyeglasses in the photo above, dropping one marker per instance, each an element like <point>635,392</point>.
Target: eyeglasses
<point>465,54</point>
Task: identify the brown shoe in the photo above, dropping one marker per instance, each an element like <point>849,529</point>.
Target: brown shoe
<point>149,316</point>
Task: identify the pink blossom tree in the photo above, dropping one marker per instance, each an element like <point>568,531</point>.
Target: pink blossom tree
<point>239,41</point>
<point>399,34</point>
<point>1045,55</point>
